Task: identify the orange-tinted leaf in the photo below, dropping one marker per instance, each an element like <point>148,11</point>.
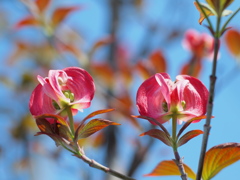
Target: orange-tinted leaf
<point>169,168</point>
<point>142,69</point>
<point>81,125</point>
<point>123,103</point>
<point>104,72</point>
<point>42,5</point>
<point>232,39</point>
<point>100,43</point>
<point>69,48</point>
<point>17,53</point>
<point>93,126</point>
<point>192,70</point>
<point>99,139</point>
<point>156,133</point>
<point>219,157</point>
<point>207,9</point>
<point>28,21</point>
<point>188,136</point>
<point>98,112</point>
<point>158,61</point>
<point>61,13</point>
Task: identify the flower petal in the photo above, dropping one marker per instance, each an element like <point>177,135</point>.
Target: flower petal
<point>195,95</point>
<point>150,98</point>
<point>81,85</point>
<point>40,103</point>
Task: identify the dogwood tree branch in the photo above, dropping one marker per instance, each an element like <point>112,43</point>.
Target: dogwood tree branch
<point>94,164</point>
<point>213,78</point>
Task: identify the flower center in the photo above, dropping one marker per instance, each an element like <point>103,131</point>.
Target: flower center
<point>55,105</point>
<point>165,106</point>
<point>183,103</point>
<point>68,94</point>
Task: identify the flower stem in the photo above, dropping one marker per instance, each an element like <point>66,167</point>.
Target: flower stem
<point>99,166</point>
<point>213,78</point>
<point>71,121</point>
<point>177,159</point>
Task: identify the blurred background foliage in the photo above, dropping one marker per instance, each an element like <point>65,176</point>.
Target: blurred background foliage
<point>120,43</point>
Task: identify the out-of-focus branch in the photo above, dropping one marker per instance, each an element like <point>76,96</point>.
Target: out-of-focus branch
<point>110,133</point>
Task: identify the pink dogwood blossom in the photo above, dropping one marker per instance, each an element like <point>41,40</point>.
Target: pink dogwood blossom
<point>200,44</point>
<point>71,87</point>
<point>161,98</point>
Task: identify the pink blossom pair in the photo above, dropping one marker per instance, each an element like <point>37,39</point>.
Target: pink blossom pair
<point>158,97</point>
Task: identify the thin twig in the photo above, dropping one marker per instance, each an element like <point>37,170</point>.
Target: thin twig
<point>180,166</point>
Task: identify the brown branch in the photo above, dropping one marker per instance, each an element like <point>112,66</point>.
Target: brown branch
<point>180,166</point>
<point>207,125</point>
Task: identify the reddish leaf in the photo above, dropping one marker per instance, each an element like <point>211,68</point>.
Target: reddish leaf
<point>61,13</point>
<point>55,127</point>
<point>42,5</point>
<point>28,21</point>
<point>158,61</point>
<point>219,157</point>
<point>156,133</point>
<point>188,136</point>
<point>169,168</point>
<point>193,120</point>
<point>93,126</point>
<point>232,39</point>
<point>153,121</point>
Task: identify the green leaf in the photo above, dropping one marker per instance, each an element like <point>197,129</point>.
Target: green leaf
<point>93,126</point>
<point>162,136</point>
<point>169,168</point>
<point>219,157</point>
<point>188,136</point>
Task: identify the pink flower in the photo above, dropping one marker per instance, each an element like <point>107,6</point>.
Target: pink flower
<point>161,98</point>
<point>71,86</point>
<point>201,45</point>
